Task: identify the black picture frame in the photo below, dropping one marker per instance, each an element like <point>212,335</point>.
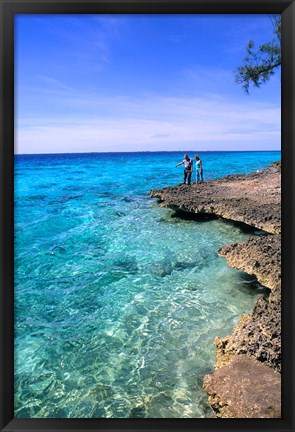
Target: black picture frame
<point>8,8</point>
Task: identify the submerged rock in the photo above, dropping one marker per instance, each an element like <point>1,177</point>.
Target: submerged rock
<point>244,388</point>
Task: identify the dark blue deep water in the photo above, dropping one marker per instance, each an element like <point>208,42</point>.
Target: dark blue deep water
<point>118,303</point>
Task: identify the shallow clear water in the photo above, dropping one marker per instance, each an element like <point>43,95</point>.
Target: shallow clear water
<point>117,302</point>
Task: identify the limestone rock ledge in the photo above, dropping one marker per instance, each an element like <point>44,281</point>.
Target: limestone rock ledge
<point>244,388</point>
<point>253,199</point>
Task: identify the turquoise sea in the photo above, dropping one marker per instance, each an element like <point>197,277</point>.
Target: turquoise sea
<point>117,302</point>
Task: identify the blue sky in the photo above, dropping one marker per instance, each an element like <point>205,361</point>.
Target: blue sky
<point>92,83</point>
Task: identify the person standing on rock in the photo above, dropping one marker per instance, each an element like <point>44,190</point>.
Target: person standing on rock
<point>188,169</point>
<point>199,169</point>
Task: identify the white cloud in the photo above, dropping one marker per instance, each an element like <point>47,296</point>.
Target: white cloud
<point>151,123</point>
<point>51,83</point>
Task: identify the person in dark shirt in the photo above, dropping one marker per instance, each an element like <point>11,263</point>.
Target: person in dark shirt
<point>188,169</point>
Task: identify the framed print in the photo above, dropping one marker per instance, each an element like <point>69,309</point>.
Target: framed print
<point>147,215</point>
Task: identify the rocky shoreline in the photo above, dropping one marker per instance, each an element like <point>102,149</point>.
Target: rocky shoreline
<point>247,380</point>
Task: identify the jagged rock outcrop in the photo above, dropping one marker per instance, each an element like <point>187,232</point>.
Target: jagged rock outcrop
<point>257,335</point>
<point>259,256</point>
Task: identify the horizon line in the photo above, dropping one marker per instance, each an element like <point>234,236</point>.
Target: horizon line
<point>149,151</point>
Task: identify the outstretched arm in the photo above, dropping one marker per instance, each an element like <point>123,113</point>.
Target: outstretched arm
<point>180,163</point>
